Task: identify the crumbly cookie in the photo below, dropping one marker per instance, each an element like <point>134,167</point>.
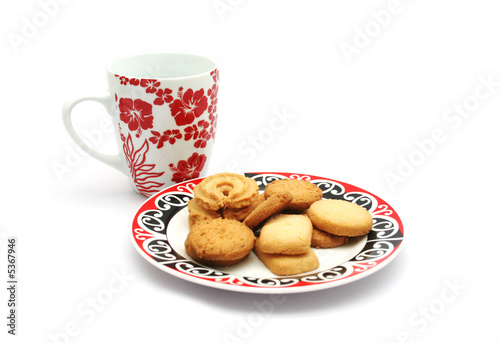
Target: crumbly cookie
<point>304,192</point>
<point>323,240</point>
<point>285,265</point>
<point>241,213</point>
<point>198,212</point>
<point>340,217</point>
<point>226,190</point>
<point>219,242</point>
<point>272,205</point>
<point>286,234</point>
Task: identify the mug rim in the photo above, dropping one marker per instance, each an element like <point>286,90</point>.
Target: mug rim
<point>206,58</point>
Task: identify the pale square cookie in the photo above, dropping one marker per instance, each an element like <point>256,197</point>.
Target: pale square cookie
<point>286,234</point>
<point>285,265</point>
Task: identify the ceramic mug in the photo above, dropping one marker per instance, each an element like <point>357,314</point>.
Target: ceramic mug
<point>164,112</point>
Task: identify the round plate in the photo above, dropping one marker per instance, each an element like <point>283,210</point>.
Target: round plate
<point>160,228</point>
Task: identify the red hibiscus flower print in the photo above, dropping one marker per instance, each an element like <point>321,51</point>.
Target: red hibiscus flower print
<point>123,80</point>
<point>189,106</point>
<point>215,75</point>
<point>199,133</point>
<point>213,124</point>
<point>202,139</point>
<point>172,135</point>
<point>213,119</point>
<point>212,92</point>
<point>135,82</point>
<point>157,139</point>
<point>168,136</point>
<point>137,114</point>
<point>190,169</point>
<point>150,85</point>
<point>193,131</point>
<point>163,96</point>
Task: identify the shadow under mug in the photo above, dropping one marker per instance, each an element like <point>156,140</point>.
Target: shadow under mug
<point>164,113</point>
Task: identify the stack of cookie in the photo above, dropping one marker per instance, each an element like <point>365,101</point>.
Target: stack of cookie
<point>290,217</point>
<point>217,237</point>
<point>284,245</point>
<point>340,219</point>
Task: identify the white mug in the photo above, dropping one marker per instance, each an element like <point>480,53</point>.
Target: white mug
<point>164,112</point>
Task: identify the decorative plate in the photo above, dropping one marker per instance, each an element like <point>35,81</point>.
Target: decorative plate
<point>160,228</point>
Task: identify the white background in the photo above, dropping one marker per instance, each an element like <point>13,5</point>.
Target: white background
<point>366,83</point>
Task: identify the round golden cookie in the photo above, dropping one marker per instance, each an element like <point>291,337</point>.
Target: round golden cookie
<point>272,205</point>
<point>324,240</point>
<point>304,192</point>
<point>340,217</point>
<point>226,190</point>
<point>219,242</point>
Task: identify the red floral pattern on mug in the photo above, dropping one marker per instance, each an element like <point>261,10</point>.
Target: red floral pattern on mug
<point>186,106</point>
<point>123,80</point>
<point>189,106</point>
<point>212,93</point>
<point>145,179</point>
<point>215,75</point>
<point>189,169</point>
<point>192,131</point>
<point>199,133</point>
<point>150,85</point>
<point>213,124</point>
<point>203,139</point>
<point>168,136</point>
<point>212,109</point>
<point>137,114</point>
<point>163,96</point>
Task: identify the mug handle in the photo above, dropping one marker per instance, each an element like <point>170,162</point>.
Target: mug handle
<point>106,100</point>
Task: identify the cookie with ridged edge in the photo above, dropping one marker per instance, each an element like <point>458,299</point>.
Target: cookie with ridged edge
<point>340,217</point>
<point>270,206</point>
<point>219,242</point>
<point>304,192</point>
<point>229,190</point>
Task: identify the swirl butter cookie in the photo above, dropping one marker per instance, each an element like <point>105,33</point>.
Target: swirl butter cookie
<point>219,242</point>
<point>304,193</point>
<point>340,217</point>
<point>226,190</point>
